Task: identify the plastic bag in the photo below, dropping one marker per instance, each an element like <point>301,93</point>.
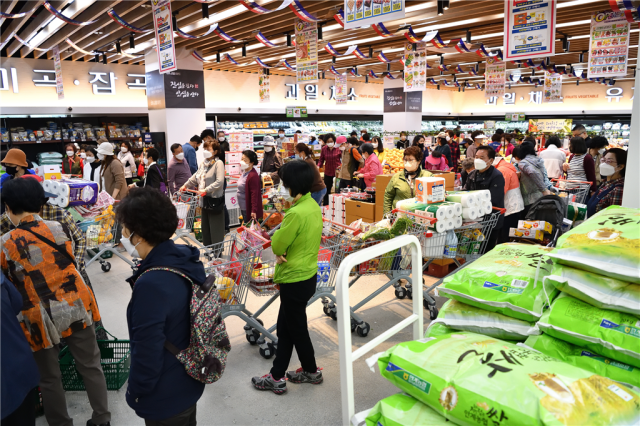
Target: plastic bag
<point>401,409</point>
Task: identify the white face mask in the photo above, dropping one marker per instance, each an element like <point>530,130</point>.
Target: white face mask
<point>180,156</point>
<point>268,148</point>
<point>479,164</point>
<point>281,135</point>
<point>607,169</point>
<point>83,155</point>
<point>129,247</point>
<point>342,148</point>
<point>288,198</point>
<point>221,139</point>
<point>123,149</point>
<point>70,154</point>
<point>90,159</point>
<point>330,144</point>
<point>146,161</point>
<point>243,165</point>
<point>448,138</point>
<point>601,151</point>
<point>410,166</point>
<point>101,157</point>
<point>207,154</point>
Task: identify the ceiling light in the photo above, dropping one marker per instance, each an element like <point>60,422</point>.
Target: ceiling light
<point>104,58</point>
<point>132,42</point>
<point>205,11</point>
<point>440,13</point>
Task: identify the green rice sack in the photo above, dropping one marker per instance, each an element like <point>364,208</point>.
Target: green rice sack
<point>580,357</point>
<point>597,290</point>
<point>474,379</point>
<point>613,334</point>
<point>460,316</point>
<point>608,243</point>
<point>504,281</point>
<point>402,410</point>
<point>436,329</point>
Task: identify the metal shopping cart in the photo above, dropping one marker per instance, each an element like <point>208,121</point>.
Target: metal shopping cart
<point>186,204</point>
<point>577,191</point>
<point>102,239</point>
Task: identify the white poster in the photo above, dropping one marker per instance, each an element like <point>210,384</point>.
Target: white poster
<point>362,13</point>
<point>341,89</point>
<point>58,69</point>
<point>306,51</point>
<point>552,87</point>
<point>265,90</point>
<point>165,45</point>
<point>609,45</point>
<point>495,78</point>
<point>530,27</point>
<point>415,67</point>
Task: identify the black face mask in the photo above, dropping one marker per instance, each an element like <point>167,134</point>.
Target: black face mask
<point>12,170</point>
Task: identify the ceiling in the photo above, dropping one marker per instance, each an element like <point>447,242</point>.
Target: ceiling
<point>481,19</point>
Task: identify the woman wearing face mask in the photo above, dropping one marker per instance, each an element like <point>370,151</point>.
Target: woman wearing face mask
<point>443,147</point>
<point>378,148</point>
<point>402,184</point>
<point>249,187</point>
<point>271,162</point>
<point>609,192</point>
<point>418,140</point>
<point>454,146</point>
<point>209,179</point>
<point>403,142</point>
<point>597,147</point>
<point>154,176</point>
<point>330,158</point>
<point>92,167</point>
<point>371,168</point>
<point>318,189</point>
<point>72,163</point>
<point>126,158</point>
<point>178,171</point>
<point>82,152</point>
<point>15,165</point>
<point>112,171</point>
<point>531,167</point>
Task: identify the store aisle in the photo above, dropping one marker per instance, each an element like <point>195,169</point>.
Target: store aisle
<point>232,400</point>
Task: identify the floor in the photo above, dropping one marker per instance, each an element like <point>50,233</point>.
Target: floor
<point>233,400</point>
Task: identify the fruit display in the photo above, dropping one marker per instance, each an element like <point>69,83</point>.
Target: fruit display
<point>394,161</point>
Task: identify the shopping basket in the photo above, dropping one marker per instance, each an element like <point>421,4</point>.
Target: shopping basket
<point>115,359</point>
<point>102,239</point>
<point>575,190</point>
<point>187,204</point>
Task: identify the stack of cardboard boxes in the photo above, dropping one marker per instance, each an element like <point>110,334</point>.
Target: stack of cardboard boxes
<point>335,211</point>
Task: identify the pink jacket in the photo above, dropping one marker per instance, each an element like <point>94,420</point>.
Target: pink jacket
<point>371,169</point>
<point>442,166</point>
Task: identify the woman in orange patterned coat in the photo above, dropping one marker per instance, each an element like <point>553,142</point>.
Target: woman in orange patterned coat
<point>37,257</point>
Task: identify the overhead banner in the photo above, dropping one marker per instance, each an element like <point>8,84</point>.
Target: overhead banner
<point>415,67</point>
<point>165,45</point>
<point>297,112</point>
<point>263,82</point>
<point>552,87</point>
<point>341,89</point>
<point>306,51</point>
<point>361,13</point>
<point>550,125</point>
<point>495,79</point>
<point>609,47</point>
<point>530,27</point>
<point>57,65</point>
<point>516,116</point>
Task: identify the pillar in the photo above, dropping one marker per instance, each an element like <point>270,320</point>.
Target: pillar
<point>631,195</point>
<point>396,118</point>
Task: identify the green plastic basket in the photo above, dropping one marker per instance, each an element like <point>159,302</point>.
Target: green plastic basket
<point>115,360</point>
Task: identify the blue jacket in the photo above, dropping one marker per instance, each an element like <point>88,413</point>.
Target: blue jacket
<point>159,386</point>
<point>190,156</point>
<point>19,369</point>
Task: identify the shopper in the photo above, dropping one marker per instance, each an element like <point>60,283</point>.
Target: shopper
<point>507,146</point>
<point>318,188</point>
<point>15,165</point>
<point>281,139</point>
<point>378,148</point>
<point>553,157</point>
<point>271,162</point>
<point>513,202</point>
<point>222,141</point>
<point>312,139</point>
<point>249,187</point>
<point>372,167</point>
<point>402,143</point>
<point>178,171</point>
<point>92,167</point>
<point>464,145</point>
<point>531,169</point>
<point>402,184</point>
<point>209,179</point>
<point>57,303</point>
<point>454,146</point>
<point>496,141</point>
<point>296,246</point>
<point>330,157</point>
<point>436,161</point>
<point>418,140</point>
<point>580,131</point>
<point>128,162</point>
<point>478,138</point>
<point>351,160</point>
<point>580,166</point>
<point>112,171</point>
<point>154,177</point>
<point>189,150</point>
<point>443,148</point>
<point>72,163</point>
<point>609,192</point>
<point>467,167</point>
<point>597,149</point>
<point>82,152</point>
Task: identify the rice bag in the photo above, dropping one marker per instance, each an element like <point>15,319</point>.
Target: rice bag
<point>460,316</point>
<point>608,243</point>
<point>580,357</point>
<point>507,280</point>
<point>436,329</point>
<point>613,334</point>
<point>401,410</point>
<point>474,379</point>
<point>597,290</point>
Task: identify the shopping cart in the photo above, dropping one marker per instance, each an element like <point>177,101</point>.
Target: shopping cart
<point>187,204</point>
<point>102,239</point>
<point>577,191</point>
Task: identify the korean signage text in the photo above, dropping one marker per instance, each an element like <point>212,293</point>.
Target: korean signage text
<point>530,27</point>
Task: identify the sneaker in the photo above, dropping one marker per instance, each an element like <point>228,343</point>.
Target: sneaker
<point>91,423</point>
<point>301,376</point>
<point>267,382</point>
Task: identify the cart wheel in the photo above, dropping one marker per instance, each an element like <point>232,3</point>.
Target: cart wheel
<point>252,336</point>
<point>268,352</point>
<point>400,292</point>
<point>354,325</point>
<point>259,321</point>
<point>326,310</point>
<point>363,330</point>
<point>410,293</point>
<point>433,310</point>
<point>334,314</point>
<point>106,267</point>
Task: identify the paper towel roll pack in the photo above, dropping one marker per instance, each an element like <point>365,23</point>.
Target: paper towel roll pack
<point>430,190</point>
<point>465,198</point>
<point>72,192</point>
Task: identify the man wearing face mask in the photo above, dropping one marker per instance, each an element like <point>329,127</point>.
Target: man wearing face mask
<point>281,139</point>
<point>224,144</point>
<point>271,162</point>
<point>330,159</point>
<point>178,171</point>
<point>190,149</point>
<point>596,149</point>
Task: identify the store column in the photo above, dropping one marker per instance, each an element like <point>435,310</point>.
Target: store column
<point>402,110</point>
<point>176,98</point>
<point>631,196</point>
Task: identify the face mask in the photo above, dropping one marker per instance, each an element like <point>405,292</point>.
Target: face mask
<point>448,138</point>
<point>410,166</point>
<point>243,165</point>
<point>601,151</point>
<point>207,154</point>
<point>101,157</point>
<point>129,247</point>
<point>281,135</point>
<point>330,144</point>
<point>479,164</point>
<point>83,155</point>
<point>69,154</point>
<point>298,157</point>
<point>268,148</point>
<point>221,139</point>
<point>289,198</point>
<point>90,159</point>
<point>180,156</point>
<point>403,138</point>
<point>123,149</point>
<point>146,161</point>
<point>607,169</point>
<point>12,170</point>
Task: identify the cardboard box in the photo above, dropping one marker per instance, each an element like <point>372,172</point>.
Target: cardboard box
<point>429,190</point>
<point>51,172</point>
<point>381,183</point>
<point>233,169</point>
<point>535,225</point>
<point>360,210</point>
<point>449,178</point>
<point>529,234</point>
<point>231,157</point>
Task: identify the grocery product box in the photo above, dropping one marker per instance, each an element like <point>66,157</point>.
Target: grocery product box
<point>530,234</point>
<point>232,157</point>
<point>449,178</point>
<point>233,169</point>
<point>430,190</point>
<point>535,225</point>
<point>577,211</point>
<point>51,172</point>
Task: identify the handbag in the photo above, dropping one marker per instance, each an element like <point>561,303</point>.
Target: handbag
<point>213,204</point>
<point>163,184</point>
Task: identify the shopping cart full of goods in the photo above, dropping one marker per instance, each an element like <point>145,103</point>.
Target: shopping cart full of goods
<point>187,203</point>
<point>575,190</point>
<point>102,237</point>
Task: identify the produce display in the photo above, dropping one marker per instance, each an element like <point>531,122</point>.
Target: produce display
<point>394,161</point>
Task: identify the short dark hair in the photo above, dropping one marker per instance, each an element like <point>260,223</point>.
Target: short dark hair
<point>213,145</point>
<point>491,153</point>
<point>414,152</point>
<point>127,143</point>
<point>174,147</point>
<point>353,141</point>
<point>416,139</point>
<point>23,195</point>
<point>368,148</point>
<point>153,153</point>
<point>298,131</point>
<point>553,140</point>
<point>468,164</point>
<point>497,137</point>
<point>436,154</point>
<point>92,150</point>
<point>530,139</point>
<point>366,137</point>
<point>280,130</point>
<point>220,131</point>
<point>577,145</point>
<point>303,147</point>
<point>457,133</point>
<point>517,153</point>
<point>466,141</point>
<point>251,155</point>
<point>499,131</point>
<point>149,214</point>
<point>330,136</point>
<point>205,133</point>
<point>598,142</point>
<point>621,158</point>
<point>298,176</point>
<point>353,133</point>
<point>197,139</point>
<point>579,128</point>
<point>527,148</point>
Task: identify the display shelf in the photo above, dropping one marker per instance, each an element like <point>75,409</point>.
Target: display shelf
<point>38,142</point>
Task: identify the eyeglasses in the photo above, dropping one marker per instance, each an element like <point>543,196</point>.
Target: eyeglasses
<point>610,161</point>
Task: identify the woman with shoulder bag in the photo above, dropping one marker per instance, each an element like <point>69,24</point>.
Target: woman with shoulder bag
<point>209,179</point>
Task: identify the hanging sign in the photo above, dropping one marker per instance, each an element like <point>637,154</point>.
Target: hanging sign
<point>552,87</point>
<point>609,45</point>
<point>495,78</point>
<point>58,69</point>
<point>306,51</point>
<point>296,112</point>
<point>415,67</point>
<point>341,89</point>
<point>361,13</point>
<point>530,27</point>
<point>550,125</point>
<point>263,82</point>
<point>516,116</point>
<point>165,45</point>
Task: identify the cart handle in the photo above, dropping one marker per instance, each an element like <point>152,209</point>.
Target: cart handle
<point>340,225</point>
<point>193,191</point>
<point>266,244</point>
<point>432,220</point>
<point>501,210</point>
<point>571,181</point>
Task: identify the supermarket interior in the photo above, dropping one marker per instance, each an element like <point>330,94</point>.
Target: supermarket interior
<point>432,220</point>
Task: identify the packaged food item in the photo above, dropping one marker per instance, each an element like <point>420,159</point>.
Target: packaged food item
<point>402,409</point>
<point>530,234</point>
<point>608,243</point>
<point>535,224</point>
<point>451,245</point>
<point>597,290</point>
<point>577,212</point>
<point>508,280</point>
<point>590,361</point>
<point>475,379</point>
<point>613,334</point>
<point>430,190</point>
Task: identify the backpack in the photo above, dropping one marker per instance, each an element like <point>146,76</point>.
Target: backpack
<point>206,356</point>
<point>551,209</point>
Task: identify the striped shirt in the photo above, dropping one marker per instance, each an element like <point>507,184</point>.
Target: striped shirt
<point>576,168</point>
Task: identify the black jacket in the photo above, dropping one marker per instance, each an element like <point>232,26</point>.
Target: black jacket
<point>153,178</point>
<point>492,180</point>
<point>224,147</point>
<point>446,152</point>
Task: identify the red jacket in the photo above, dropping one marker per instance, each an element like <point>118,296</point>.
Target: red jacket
<point>253,197</point>
<point>371,169</point>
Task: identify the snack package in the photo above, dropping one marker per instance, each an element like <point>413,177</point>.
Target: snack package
<point>401,409</point>
<point>613,334</point>
<point>475,379</point>
<point>608,243</point>
<point>580,357</point>
<point>535,225</point>
<point>530,234</point>
<point>460,316</point>
<point>507,280</point>
<point>597,290</point>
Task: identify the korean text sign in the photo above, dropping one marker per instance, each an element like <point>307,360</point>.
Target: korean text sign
<point>530,27</point>
<point>165,46</point>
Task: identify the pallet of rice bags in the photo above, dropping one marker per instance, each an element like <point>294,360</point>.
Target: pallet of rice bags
<point>460,316</point>
<point>608,244</point>
<point>613,334</point>
<point>597,290</point>
<point>401,409</point>
<point>507,280</point>
<point>580,357</point>
<point>474,379</point>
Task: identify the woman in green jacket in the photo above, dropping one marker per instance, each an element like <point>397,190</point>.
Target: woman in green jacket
<point>402,184</point>
<point>296,245</point>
